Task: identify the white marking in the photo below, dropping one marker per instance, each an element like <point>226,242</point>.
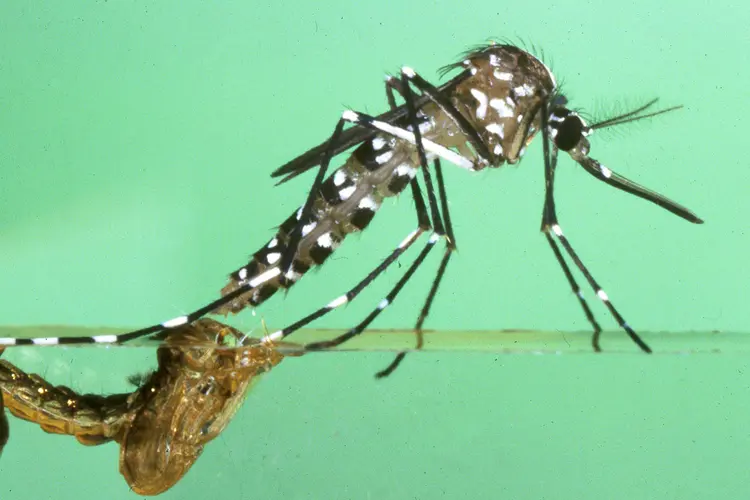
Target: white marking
<point>471,67</point>
<point>405,169</point>
<point>299,213</point>
<point>605,171</point>
<point>498,150</point>
<point>434,237</point>
<point>502,107</point>
<point>325,240</point>
<point>557,230</point>
<point>522,151</point>
<point>273,337</point>
<point>602,295</point>
<point>338,302</point>
<point>345,193</point>
<point>494,60</point>
<point>307,228</point>
<point>339,177</point>
<point>482,98</point>
<point>263,277</point>
<point>430,146</point>
<point>425,127</point>
<point>580,294</point>
<point>292,275</point>
<point>7,341</point>
<point>408,239</point>
<point>243,274</point>
<point>272,243</point>
<point>520,117</point>
<point>178,321</point>
<point>383,304</point>
<point>350,116</point>
<point>497,128</point>
<point>273,258</point>
<point>378,143</point>
<point>408,72</point>
<point>369,203</point>
<point>503,75</point>
<point>105,339</point>
<point>385,156</point>
<point>46,341</point>
<point>524,90</point>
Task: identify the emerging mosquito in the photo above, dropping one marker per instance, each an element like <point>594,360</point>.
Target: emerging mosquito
<point>164,424</point>
<point>483,117</point>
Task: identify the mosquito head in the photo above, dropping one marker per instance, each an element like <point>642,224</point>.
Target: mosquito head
<point>566,128</point>
<point>568,132</point>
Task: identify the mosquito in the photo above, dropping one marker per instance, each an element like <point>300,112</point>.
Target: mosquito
<point>483,117</point>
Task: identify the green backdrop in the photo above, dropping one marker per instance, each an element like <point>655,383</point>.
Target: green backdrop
<point>136,142</point>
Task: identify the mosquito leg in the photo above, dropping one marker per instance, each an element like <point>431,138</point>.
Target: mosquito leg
<point>304,217</point>
<point>440,229</point>
<point>483,154</point>
<point>439,232</point>
<point>557,230</point>
<point>449,249</point>
<point>157,328</point>
<point>424,225</point>
<point>550,224</point>
<point>392,83</point>
<point>388,300</point>
<point>577,291</point>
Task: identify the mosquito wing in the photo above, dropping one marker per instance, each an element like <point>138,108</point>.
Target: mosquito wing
<point>353,136</point>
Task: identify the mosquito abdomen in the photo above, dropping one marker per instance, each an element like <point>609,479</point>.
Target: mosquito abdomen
<point>346,203</point>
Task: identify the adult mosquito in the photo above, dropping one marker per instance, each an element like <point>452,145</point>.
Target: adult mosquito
<point>484,117</point>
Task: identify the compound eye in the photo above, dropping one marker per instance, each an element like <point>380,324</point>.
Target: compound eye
<point>569,133</point>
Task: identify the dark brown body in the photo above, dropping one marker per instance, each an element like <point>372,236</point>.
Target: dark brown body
<point>500,98</point>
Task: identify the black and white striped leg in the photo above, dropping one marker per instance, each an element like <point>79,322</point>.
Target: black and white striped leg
<point>577,291</point>
<point>388,300</point>
<point>153,329</point>
<point>557,230</point>
<point>304,216</point>
<point>449,249</point>
<point>440,231</point>
<point>392,83</point>
<point>552,229</point>
<point>437,222</point>
<point>424,225</point>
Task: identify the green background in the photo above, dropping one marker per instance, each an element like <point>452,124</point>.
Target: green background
<point>136,139</point>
